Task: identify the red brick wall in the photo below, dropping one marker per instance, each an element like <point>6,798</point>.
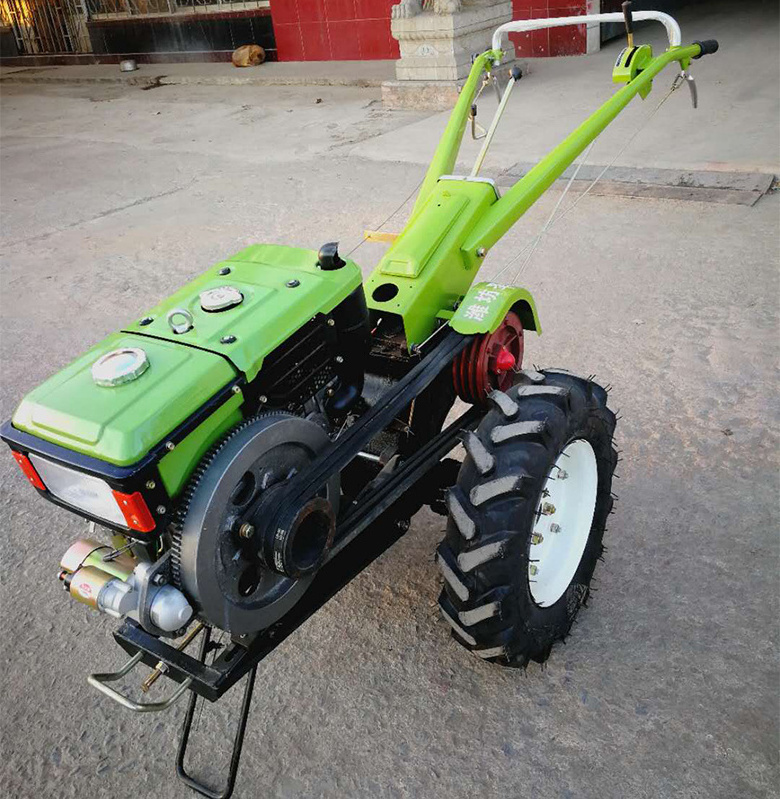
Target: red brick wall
<point>333,30</point>
<point>553,41</point>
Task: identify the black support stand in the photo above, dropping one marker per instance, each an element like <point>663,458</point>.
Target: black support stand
<point>238,741</point>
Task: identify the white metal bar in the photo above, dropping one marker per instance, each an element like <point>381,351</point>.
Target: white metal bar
<point>492,129</point>
<point>522,25</point>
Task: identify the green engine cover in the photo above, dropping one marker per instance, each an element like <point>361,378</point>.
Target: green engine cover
<point>282,289</point>
<point>122,423</point>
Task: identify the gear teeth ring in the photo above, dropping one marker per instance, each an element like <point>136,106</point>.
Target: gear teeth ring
<point>177,523</point>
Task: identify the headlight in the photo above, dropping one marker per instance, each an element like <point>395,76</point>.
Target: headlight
<point>83,491</point>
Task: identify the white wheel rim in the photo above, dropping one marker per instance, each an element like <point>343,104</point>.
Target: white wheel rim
<point>563,521</point>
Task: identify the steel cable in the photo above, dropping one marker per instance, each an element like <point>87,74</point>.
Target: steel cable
<point>553,219</point>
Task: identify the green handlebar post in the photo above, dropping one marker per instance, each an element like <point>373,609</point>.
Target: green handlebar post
<point>504,213</point>
<point>446,154</point>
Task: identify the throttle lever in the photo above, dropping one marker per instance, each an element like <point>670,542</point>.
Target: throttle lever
<point>629,20</point>
<point>477,131</point>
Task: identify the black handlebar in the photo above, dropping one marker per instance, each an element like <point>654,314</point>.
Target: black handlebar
<point>707,47</point>
<point>628,17</point>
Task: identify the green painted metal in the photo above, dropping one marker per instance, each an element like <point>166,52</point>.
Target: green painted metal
<point>446,154</point>
<point>631,61</point>
<point>271,310</point>
<point>427,264</point>
<point>503,214</point>
<point>176,467</point>
<point>428,270</point>
<point>120,425</point>
<point>455,222</point>
<point>486,304</point>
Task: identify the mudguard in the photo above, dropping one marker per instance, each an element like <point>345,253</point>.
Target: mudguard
<point>486,304</point>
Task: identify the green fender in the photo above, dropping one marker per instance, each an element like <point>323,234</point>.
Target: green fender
<point>486,304</point>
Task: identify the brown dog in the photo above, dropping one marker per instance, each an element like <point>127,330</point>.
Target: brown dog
<point>248,55</point>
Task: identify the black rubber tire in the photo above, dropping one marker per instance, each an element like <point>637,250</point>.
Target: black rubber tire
<point>484,557</point>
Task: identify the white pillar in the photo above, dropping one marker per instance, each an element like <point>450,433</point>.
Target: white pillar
<point>593,31</point>
<point>439,46</point>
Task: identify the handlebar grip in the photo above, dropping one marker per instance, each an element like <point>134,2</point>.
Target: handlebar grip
<point>707,47</point>
<point>627,16</point>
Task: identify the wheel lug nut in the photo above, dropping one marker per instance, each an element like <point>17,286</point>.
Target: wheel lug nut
<point>548,508</point>
<point>537,538</point>
<point>246,530</point>
<point>555,528</point>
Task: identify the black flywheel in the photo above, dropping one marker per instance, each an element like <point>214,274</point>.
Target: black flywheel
<point>217,552</point>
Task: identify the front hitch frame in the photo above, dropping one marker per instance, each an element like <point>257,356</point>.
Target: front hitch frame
<point>101,680</point>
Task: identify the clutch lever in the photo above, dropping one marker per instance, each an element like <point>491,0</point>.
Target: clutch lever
<point>686,77</point>
<point>692,86</point>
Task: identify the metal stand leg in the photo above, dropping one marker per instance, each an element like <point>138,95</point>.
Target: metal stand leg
<point>238,742</point>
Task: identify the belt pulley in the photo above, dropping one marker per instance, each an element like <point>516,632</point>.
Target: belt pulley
<point>489,362</point>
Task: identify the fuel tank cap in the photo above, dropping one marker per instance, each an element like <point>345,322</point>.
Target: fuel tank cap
<point>220,299</point>
<point>120,366</point>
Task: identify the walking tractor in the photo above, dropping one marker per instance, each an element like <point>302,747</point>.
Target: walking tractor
<point>253,442</point>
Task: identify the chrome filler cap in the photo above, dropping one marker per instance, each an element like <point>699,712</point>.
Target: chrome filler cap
<point>119,366</point>
<point>220,299</point>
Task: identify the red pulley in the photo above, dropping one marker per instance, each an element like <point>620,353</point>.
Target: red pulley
<point>490,361</point>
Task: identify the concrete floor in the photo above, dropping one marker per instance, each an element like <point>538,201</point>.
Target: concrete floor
<point>272,73</point>
<point>113,197</point>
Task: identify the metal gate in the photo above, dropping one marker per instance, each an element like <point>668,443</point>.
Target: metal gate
<point>47,26</point>
<point>61,26</point>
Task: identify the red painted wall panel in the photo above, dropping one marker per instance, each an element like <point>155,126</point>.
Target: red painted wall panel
<point>333,30</point>
<point>355,30</point>
<point>553,41</point>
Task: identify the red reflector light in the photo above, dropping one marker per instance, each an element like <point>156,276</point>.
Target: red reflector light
<point>136,513</point>
<point>505,360</point>
<point>29,470</point>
